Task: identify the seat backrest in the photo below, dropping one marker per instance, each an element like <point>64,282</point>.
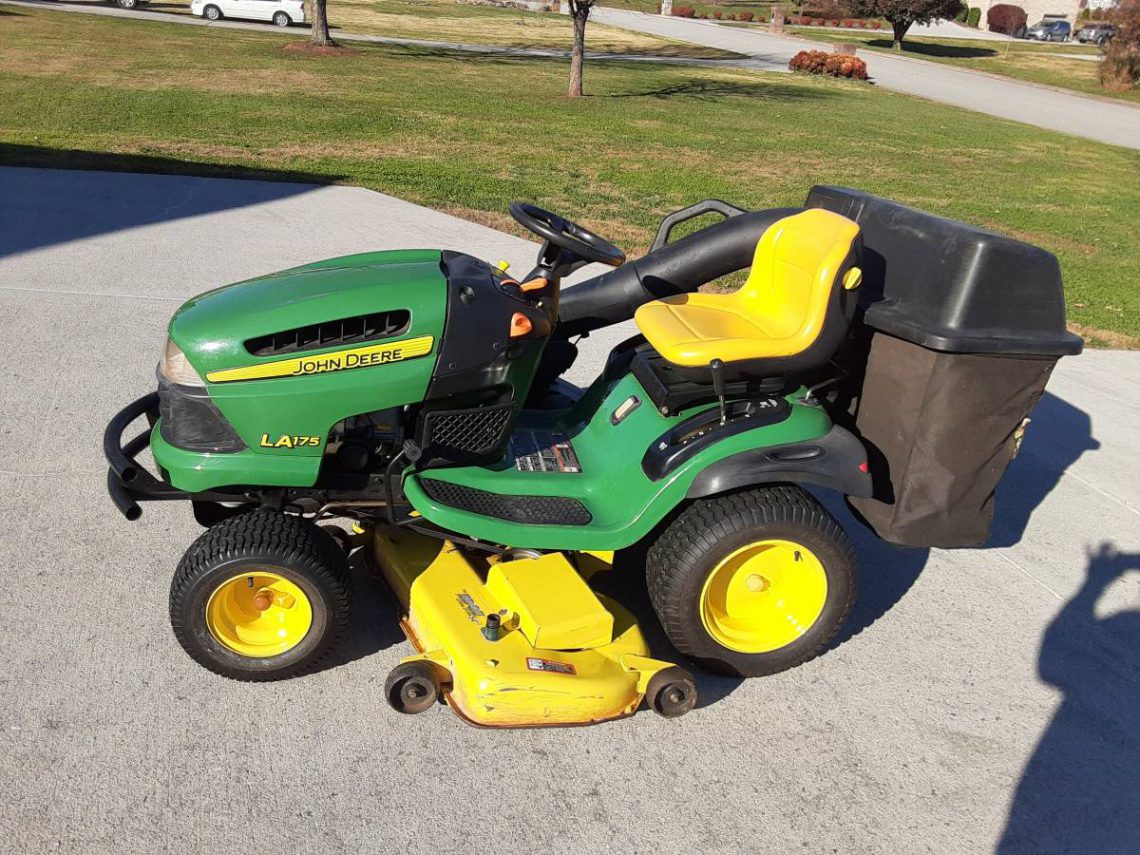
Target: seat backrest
<point>797,264</point>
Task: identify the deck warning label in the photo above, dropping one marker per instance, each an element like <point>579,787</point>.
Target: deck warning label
<point>533,663</point>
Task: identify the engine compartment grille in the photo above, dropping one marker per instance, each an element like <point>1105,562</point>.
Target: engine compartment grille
<point>475,431</point>
<point>354,330</point>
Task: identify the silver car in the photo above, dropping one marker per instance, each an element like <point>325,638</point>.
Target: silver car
<point>1050,31</point>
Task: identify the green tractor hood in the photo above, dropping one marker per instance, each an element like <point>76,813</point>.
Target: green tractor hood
<point>291,354</point>
<point>212,329</point>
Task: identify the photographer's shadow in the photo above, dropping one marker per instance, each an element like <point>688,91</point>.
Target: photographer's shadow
<point>1080,791</point>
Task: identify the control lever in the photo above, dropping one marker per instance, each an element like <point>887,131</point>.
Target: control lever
<point>717,369</point>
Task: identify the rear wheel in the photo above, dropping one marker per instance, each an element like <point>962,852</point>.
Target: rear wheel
<point>127,4</point>
<point>281,19</point>
<point>261,596</point>
<point>752,583</point>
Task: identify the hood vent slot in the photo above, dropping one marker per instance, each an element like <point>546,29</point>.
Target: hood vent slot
<point>356,330</point>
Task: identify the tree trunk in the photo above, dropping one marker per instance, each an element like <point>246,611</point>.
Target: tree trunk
<point>899,27</point>
<point>579,11</point>
<point>320,34</point>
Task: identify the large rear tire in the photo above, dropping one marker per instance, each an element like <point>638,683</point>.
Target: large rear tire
<point>261,596</point>
<point>752,583</point>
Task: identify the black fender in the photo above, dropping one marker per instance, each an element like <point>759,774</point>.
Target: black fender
<point>837,460</point>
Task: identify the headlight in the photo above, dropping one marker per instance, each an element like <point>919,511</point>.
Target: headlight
<point>176,368</point>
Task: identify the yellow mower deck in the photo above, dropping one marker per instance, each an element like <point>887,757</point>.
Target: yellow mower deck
<point>559,655</point>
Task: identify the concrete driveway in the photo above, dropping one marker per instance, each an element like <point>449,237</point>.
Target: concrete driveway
<point>1117,123</point>
<point>983,698</point>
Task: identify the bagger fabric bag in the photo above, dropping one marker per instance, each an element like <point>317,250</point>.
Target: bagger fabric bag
<point>966,326</point>
<point>942,427</point>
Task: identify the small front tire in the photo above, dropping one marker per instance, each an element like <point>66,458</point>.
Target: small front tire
<point>261,596</point>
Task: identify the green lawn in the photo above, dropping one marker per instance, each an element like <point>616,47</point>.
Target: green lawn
<point>1035,62</point>
<point>468,133</point>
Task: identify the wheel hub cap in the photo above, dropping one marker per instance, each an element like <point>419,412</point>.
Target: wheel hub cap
<point>763,596</point>
<point>258,614</point>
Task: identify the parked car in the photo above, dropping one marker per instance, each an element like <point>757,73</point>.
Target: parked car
<point>281,12</point>
<point>1096,34</point>
<point>1050,31</point>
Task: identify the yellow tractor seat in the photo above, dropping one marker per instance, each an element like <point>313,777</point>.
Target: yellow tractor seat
<point>791,313</point>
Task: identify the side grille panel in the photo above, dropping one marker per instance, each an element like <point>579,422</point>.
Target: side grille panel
<point>525,510</point>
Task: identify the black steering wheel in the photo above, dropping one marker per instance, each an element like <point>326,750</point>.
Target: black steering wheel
<point>566,234</point>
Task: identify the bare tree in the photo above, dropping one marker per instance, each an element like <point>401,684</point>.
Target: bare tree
<point>320,17</point>
<point>579,12</point>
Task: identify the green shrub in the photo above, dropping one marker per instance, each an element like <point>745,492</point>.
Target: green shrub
<point>974,17</point>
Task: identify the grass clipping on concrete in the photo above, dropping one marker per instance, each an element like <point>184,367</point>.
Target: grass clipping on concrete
<point>469,133</point>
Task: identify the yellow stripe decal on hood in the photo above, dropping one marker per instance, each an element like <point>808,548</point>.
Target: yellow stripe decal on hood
<point>337,360</point>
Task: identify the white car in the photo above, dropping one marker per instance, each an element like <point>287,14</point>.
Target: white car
<point>281,12</point>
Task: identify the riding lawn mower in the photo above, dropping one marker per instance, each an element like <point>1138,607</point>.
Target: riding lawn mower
<point>418,397</point>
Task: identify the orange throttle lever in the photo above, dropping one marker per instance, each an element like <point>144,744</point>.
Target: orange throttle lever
<point>536,284</point>
<point>520,325</point>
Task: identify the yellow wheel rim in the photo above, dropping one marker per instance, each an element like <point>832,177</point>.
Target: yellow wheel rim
<point>763,596</point>
<point>259,614</point>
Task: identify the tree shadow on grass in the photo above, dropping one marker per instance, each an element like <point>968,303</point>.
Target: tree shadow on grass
<point>710,90</point>
<point>929,49</point>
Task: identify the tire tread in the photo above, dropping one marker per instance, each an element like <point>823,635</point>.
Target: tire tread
<point>702,525</point>
<point>289,539</point>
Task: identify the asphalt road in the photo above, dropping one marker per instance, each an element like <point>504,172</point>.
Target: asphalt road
<point>1098,119</point>
<point>991,695</point>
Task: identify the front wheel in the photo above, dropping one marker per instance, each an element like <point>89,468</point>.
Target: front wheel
<point>127,4</point>
<point>281,19</point>
<point>752,583</point>
<point>261,596</point>
<point>212,13</point>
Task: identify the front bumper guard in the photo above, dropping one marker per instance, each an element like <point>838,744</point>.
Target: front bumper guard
<point>128,481</point>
